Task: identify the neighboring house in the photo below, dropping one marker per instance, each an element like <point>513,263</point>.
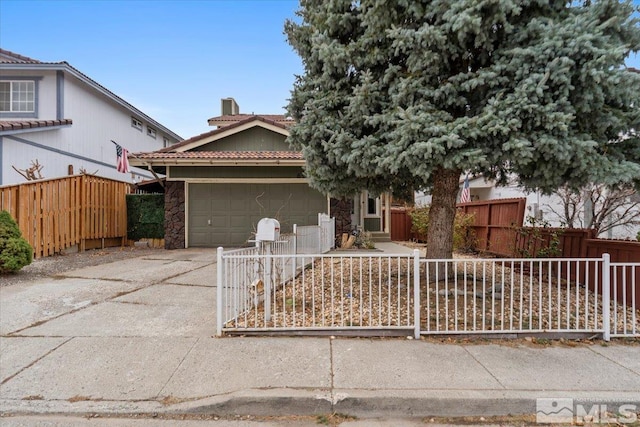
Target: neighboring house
<point>541,207</point>
<point>53,113</point>
<point>221,183</point>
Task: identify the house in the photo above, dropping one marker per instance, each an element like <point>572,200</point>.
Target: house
<point>221,183</point>
<point>53,114</point>
<point>542,208</point>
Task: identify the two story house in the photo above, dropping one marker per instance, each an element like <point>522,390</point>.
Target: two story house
<point>53,114</point>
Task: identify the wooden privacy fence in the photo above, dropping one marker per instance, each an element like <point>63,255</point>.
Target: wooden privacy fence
<point>574,243</point>
<point>55,214</point>
<point>495,223</point>
<point>494,227</point>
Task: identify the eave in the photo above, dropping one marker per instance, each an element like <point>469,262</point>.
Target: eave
<point>63,66</point>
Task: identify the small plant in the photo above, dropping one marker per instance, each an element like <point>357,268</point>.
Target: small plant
<point>638,236</point>
<point>364,240</point>
<point>15,251</point>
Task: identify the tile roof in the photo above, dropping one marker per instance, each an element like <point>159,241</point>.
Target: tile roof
<point>8,57</point>
<point>221,155</point>
<point>8,125</point>
<point>232,118</point>
<point>250,118</point>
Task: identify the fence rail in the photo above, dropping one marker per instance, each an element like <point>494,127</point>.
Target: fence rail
<point>56,214</point>
<point>389,294</point>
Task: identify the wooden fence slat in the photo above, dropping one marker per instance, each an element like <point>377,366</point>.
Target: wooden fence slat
<point>56,214</point>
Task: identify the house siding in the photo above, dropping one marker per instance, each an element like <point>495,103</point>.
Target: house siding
<point>254,139</point>
<point>236,172</point>
<point>87,143</point>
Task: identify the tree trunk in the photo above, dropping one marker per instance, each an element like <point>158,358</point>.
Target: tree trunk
<point>442,213</point>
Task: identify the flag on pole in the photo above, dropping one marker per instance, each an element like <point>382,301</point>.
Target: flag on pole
<point>122,161</point>
<point>465,195</point>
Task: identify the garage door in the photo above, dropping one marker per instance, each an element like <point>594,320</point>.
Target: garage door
<point>227,214</point>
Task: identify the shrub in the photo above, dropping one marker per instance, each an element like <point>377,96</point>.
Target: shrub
<point>464,238</point>
<point>145,216</point>
<point>538,240</point>
<point>15,251</point>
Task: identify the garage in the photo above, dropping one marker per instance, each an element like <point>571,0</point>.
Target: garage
<point>226,214</point>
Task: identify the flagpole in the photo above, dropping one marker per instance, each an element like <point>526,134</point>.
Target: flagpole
<point>146,163</point>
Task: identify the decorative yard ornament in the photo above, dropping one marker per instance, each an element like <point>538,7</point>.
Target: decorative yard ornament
<point>399,94</point>
<point>32,173</point>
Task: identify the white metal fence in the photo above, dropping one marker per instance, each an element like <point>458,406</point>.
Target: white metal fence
<point>316,239</point>
<point>382,294</point>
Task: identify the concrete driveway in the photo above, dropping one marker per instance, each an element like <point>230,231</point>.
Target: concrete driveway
<point>166,294</point>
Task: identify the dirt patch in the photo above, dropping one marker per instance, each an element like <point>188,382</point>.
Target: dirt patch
<point>54,265</point>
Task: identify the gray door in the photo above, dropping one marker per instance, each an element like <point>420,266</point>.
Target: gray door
<point>227,214</point>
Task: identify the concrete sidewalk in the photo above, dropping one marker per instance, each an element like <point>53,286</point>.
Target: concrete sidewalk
<point>137,337</point>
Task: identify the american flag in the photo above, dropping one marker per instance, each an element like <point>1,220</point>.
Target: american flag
<point>465,195</point>
<point>122,162</point>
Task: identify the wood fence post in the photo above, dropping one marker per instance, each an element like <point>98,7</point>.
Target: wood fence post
<point>82,212</point>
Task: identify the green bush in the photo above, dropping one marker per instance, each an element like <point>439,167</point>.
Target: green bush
<point>145,216</point>
<point>15,251</point>
<point>464,237</point>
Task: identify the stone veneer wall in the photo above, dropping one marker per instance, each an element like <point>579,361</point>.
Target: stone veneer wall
<point>174,220</point>
<point>341,211</point>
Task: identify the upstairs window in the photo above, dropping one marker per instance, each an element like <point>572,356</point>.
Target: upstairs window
<point>18,96</point>
<point>151,132</point>
<point>135,123</point>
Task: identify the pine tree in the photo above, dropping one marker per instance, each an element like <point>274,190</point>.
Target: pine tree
<point>411,93</point>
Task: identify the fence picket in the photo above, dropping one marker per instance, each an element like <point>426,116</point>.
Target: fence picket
<point>56,214</point>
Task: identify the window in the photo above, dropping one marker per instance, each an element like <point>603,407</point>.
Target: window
<point>373,206</point>
<point>136,123</point>
<point>18,96</point>
<point>151,132</point>
<point>165,141</point>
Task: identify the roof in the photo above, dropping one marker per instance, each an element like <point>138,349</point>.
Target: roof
<point>6,126</point>
<point>211,135</point>
<point>223,155</point>
<point>229,119</point>
<point>11,60</point>
<point>184,153</point>
<point>6,56</point>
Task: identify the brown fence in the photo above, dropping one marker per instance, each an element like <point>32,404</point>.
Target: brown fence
<point>401,224</point>
<point>494,223</point>
<point>56,214</point>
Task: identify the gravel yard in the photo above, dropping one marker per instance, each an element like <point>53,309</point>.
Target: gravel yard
<point>378,293</point>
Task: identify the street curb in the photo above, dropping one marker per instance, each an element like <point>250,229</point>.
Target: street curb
<point>358,403</point>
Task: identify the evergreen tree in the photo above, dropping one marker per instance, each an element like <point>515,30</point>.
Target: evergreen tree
<point>411,93</point>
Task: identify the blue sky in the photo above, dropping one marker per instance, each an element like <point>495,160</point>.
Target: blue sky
<point>174,60</point>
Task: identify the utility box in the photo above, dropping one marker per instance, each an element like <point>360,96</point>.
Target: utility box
<point>268,230</point>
